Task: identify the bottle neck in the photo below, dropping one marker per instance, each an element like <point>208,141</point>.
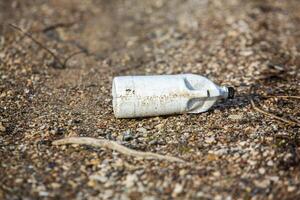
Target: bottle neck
<point>226,92</point>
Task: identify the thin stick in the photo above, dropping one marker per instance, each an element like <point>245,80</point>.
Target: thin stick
<point>103,143</point>
<point>285,97</point>
<point>272,115</point>
<point>71,56</point>
<point>39,43</point>
<point>58,25</point>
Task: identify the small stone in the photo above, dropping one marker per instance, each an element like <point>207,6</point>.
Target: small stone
<point>242,143</point>
<point>130,180</point>
<point>94,162</point>
<point>43,193</point>
<point>159,126</point>
<point>216,174</point>
<point>210,133</point>
<point>270,163</point>
<point>212,157</point>
<point>178,189</point>
<point>218,197</point>
<point>107,194</point>
<point>99,178</point>
<point>235,117</point>
<point>149,198</point>
<point>183,172</point>
<point>2,55</point>
<point>291,188</point>
<point>252,162</point>
<point>124,197</point>
<point>127,135</point>
<point>262,184</point>
<point>55,185</point>
<point>92,183</point>
<point>18,180</point>
<point>246,53</point>
<point>262,170</point>
<point>141,130</point>
<point>2,128</point>
<point>288,156</point>
<point>274,178</point>
<point>210,140</point>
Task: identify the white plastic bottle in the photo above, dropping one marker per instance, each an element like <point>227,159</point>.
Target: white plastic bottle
<point>141,96</point>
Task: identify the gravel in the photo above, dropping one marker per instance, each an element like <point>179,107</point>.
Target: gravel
<point>236,152</point>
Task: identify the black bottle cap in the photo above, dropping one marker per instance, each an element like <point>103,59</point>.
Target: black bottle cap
<point>231,92</point>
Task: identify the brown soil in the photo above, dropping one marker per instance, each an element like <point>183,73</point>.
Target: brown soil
<point>237,152</point>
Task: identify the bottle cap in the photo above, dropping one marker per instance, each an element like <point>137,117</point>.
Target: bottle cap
<point>231,92</point>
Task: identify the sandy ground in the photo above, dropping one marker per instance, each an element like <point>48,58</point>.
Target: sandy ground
<point>237,153</point>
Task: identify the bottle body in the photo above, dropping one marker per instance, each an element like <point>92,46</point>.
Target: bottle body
<point>141,96</point>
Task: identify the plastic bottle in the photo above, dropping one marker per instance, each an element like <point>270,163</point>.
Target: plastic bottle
<point>141,96</point>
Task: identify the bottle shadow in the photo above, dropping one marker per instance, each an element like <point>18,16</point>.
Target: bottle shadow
<point>241,101</point>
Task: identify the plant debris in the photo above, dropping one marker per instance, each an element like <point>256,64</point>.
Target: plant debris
<point>108,144</point>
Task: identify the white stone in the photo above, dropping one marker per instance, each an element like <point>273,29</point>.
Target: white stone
<point>235,117</point>
<point>210,140</point>
<point>178,189</point>
<point>130,180</point>
<point>99,178</point>
<point>291,188</point>
<point>270,163</point>
<point>262,170</point>
<point>262,184</point>
<point>141,130</point>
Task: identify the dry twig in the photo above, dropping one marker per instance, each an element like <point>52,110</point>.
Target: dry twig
<point>284,97</point>
<point>103,143</point>
<point>272,115</point>
<point>38,43</point>
<point>62,64</point>
<point>58,25</point>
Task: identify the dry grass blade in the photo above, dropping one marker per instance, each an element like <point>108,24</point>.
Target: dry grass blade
<point>58,25</point>
<point>63,64</point>
<point>272,115</point>
<point>284,97</point>
<point>103,143</point>
<point>71,56</point>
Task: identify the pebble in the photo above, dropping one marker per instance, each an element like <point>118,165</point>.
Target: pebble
<point>177,189</point>
<point>159,126</point>
<point>99,178</point>
<point>218,197</point>
<point>252,162</point>
<point>43,193</point>
<point>262,170</point>
<point>262,184</point>
<point>150,198</point>
<point>217,174</point>
<point>77,99</point>
<point>210,140</point>
<point>246,53</point>
<point>291,188</point>
<point>130,180</point>
<point>127,135</point>
<point>235,117</point>
<point>141,130</point>
<point>2,128</point>
<point>270,163</point>
<point>55,185</point>
<point>274,178</point>
<point>107,194</point>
